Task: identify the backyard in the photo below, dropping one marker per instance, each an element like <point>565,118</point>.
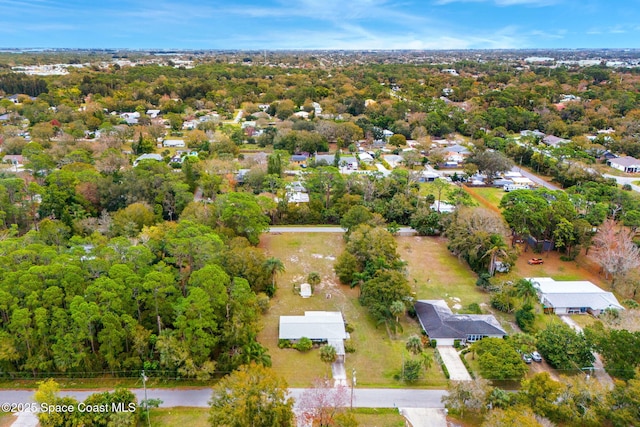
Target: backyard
<point>379,354</point>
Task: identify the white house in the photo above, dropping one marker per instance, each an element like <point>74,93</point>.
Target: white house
<point>179,143</point>
<point>573,297</point>
<point>442,207</point>
<point>626,164</point>
<point>153,113</point>
<point>394,160</point>
<point>365,158</point>
<point>318,326</point>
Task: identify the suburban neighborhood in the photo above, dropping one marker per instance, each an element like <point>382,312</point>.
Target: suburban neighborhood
<point>320,228</point>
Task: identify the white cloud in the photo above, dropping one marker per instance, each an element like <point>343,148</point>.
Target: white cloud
<point>537,3</point>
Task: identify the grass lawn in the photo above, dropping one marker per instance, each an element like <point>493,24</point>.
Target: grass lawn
<point>384,417</point>
<point>435,273</point>
<point>584,320</point>
<point>177,417</point>
<point>378,356</point>
<point>490,194</point>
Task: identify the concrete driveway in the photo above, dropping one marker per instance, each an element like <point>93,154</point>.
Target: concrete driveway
<point>425,417</point>
<point>451,359</point>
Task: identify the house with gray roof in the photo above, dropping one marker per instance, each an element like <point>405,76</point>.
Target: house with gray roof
<point>573,297</point>
<point>319,326</point>
<point>554,141</point>
<point>440,324</point>
<point>626,164</point>
<point>147,156</point>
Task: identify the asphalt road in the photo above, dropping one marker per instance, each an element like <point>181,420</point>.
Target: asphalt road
<point>622,180</point>
<point>363,397</point>
<point>535,178</point>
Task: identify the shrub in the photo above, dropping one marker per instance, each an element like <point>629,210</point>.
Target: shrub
<point>456,344</point>
<point>474,308</point>
<point>284,344</point>
<point>433,343</point>
<point>349,347</point>
<point>305,344</point>
<point>349,328</point>
<point>525,318</point>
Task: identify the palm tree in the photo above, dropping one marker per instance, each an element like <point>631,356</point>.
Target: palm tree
<point>414,344</point>
<point>397,308</point>
<point>314,279</point>
<point>273,266</point>
<point>524,289</point>
<point>497,249</point>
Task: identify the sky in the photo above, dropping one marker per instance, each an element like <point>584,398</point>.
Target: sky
<point>320,24</point>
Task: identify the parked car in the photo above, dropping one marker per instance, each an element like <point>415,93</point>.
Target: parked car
<point>535,261</point>
<point>536,356</point>
<point>527,358</point>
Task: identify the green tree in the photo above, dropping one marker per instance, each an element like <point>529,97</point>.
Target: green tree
<point>414,344</point>
<point>498,360</point>
<point>328,353</point>
<point>273,267</point>
<point>398,140</point>
<point>564,348</point>
<point>241,213</point>
<point>251,396</point>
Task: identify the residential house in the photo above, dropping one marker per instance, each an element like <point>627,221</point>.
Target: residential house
<point>365,158</point>
<point>442,207</point>
<point>153,113</point>
<point>554,141</point>
<point>626,164</point>
<point>190,124</point>
<point>347,163</point>
<point>147,156</point>
<point>456,153</point>
<point>319,326</point>
<point>573,297</point>
<point>299,159</point>
<point>440,324</point>
<point>169,143</point>
<point>394,160</point>
<point>301,114</point>
<point>535,133</point>
<point>130,118</point>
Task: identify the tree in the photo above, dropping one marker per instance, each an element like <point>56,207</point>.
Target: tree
<point>624,401</point>
<point>564,348</point>
<point>618,349</point>
<point>516,416</point>
<point>541,394</point>
<point>617,253</point>
<point>273,267</point>
<point>525,317</point>
<point>241,213</point>
<point>397,140</point>
<point>328,353</point>
<point>251,396</point>
<point>498,360</point>
<point>466,395</point>
<point>497,249</point>
<point>47,394</point>
<point>414,345</point>
<point>314,278</point>
<point>322,404</point>
<point>491,163</point>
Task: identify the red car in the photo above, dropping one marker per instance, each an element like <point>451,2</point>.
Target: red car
<point>535,261</point>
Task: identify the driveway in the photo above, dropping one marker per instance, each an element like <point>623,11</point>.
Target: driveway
<point>425,417</point>
<point>451,359</point>
<point>535,178</point>
<point>622,180</point>
<point>598,367</point>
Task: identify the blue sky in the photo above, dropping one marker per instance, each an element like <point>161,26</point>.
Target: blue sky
<point>320,24</point>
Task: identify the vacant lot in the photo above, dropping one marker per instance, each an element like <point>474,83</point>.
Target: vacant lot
<point>177,417</point>
<point>378,355</point>
<point>435,273</point>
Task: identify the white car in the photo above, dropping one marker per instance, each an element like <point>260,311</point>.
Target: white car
<point>536,356</point>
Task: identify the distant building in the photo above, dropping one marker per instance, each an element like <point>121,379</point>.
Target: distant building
<point>179,143</point>
<point>148,156</point>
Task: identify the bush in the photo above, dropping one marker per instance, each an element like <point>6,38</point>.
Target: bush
<point>456,344</point>
<point>433,343</point>
<point>474,308</point>
<point>349,347</point>
<point>284,344</point>
<point>305,344</point>
<point>525,318</point>
<point>349,328</point>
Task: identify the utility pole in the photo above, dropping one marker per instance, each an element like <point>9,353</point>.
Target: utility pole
<point>146,401</point>
<point>353,384</point>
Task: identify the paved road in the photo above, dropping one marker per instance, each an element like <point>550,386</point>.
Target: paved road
<point>310,229</point>
<point>535,178</point>
<point>199,397</point>
<point>625,180</point>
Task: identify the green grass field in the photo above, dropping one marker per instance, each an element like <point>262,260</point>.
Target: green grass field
<point>490,194</point>
<point>378,354</point>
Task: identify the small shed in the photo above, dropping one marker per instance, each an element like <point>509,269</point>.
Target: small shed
<point>305,290</point>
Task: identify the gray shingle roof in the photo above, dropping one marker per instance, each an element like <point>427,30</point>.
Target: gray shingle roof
<point>439,322</point>
<point>315,325</point>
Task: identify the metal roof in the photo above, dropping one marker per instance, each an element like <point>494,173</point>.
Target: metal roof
<point>315,325</point>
